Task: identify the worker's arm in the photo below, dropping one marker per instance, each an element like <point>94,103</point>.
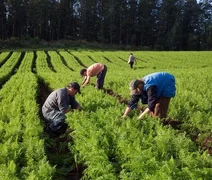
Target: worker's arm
<point>86,81</point>
<point>151,100</point>
<point>132,104</point>
<point>126,112</point>
<point>70,109</point>
<point>147,110</point>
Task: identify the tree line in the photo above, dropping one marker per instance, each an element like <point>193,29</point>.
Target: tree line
<point>149,24</point>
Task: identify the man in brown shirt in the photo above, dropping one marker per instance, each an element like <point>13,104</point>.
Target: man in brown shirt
<point>99,70</point>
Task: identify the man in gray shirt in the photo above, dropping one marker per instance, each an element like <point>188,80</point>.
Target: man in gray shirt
<point>58,103</point>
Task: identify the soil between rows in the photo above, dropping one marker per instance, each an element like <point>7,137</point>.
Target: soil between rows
<point>76,170</point>
<point>175,124</point>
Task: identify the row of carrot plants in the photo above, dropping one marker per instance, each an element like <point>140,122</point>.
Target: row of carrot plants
<point>92,136</point>
<point>111,148</point>
<point>192,104</point>
<point>8,66</point>
<point>22,144</point>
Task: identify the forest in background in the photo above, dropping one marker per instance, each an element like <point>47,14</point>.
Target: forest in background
<point>142,24</point>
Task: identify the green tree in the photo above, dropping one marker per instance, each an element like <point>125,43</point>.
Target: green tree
<point>88,20</point>
<point>3,24</point>
<point>67,20</point>
<point>206,25</point>
<point>16,17</point>
<point>34,19</point>
<point>147,22</point>
<point>190,28</point>
<point>175,35</point>
<point>167,17</point>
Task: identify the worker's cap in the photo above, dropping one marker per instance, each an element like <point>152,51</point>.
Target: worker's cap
<point>133,85</point>
<point>75,86</point>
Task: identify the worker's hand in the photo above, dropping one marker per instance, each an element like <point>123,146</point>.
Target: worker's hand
<point>80,108</point>
<point>146,111</point>
<point>139,118</point>
<point>124,116</point>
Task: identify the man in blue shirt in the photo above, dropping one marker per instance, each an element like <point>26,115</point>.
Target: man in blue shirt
<point>156,90</point>
<point>58,103</point>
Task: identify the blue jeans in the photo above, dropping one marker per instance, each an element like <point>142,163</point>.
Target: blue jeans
<point>57,125</point>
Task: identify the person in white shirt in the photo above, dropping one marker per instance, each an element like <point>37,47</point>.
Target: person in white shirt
<point>131,60</point>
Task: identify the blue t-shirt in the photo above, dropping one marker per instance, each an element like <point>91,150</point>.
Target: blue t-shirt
<point>164,82</point>
<point>155,85</point>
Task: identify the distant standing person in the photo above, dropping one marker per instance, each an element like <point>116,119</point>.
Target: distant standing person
<point>99,70</point>
<point>156,90</point>
<point>131,60</point>
<point>58,103</point>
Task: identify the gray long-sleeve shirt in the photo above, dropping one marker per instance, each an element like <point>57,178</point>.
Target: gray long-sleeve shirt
<point>58,100</point>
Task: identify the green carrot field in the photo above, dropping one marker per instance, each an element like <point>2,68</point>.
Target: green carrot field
<point>99,145</point>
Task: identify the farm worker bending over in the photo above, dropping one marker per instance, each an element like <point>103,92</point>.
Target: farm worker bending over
<point>131,60</point>
<point>57,104</point>
<point>156,90</point>
<point>96,69</point>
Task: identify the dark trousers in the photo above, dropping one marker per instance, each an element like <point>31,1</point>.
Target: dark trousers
<point>57,125</point>
<point>131,64</point>
<point>161,107</point>
<point>101,78</point>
